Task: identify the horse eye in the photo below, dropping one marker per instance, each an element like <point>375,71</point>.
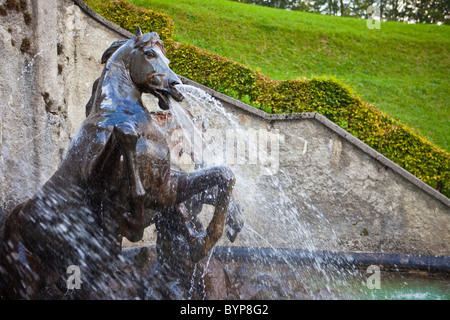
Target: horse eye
<point>150,54</point>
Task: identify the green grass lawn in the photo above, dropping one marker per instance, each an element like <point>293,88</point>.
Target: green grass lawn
<point>404,70</point>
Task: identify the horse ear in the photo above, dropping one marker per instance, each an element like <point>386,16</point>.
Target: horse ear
<point>138,33</point>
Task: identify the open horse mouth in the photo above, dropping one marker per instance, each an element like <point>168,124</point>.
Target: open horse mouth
<point>163,96</point>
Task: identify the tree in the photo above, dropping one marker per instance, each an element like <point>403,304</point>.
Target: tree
<point>358,8</point>
<point>421,11</point>
<point>431,11</point>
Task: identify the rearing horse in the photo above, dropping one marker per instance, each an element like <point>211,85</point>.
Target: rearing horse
<point>116,169</point>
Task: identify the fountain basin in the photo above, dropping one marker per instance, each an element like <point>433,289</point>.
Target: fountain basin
<point>268,274</point>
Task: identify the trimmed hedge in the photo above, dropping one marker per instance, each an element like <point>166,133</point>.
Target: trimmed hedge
<point>214,71</point>
<point>324,95</point>
<point>128,16</point>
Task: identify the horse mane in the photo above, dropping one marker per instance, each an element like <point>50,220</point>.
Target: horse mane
<point>151,38</point>
<point>113,48</point>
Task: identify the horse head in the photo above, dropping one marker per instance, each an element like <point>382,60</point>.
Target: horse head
<point>145,58</point>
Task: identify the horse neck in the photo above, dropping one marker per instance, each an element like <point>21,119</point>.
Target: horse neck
<point>115,84</point>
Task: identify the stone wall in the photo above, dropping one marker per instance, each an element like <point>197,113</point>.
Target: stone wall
<point>34,127</point>
<point>319,189</point>
<point>44,89</point>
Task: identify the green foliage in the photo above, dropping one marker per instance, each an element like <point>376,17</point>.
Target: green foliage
<point>210,69</point>
<point>129,17</point>
<point>427,11</point>
<point>325,95</point>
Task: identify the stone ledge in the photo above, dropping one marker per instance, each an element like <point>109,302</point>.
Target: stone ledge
<point>389,261</point>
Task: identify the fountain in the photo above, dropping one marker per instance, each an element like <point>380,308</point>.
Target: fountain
<point>120,176</point>
<point>114,179</point>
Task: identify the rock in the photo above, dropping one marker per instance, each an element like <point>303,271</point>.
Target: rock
<point>217,281</point>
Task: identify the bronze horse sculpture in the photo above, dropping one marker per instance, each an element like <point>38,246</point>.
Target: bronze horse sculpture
<point>184,265</point>
<point>115,176</point>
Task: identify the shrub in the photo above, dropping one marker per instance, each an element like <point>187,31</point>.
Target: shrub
<point>129,17</point>
<point>216,72</point>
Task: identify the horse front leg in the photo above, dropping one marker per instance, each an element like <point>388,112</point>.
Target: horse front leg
<point>127,137</point>
<point>103,178</point>
<point>234,220</point>
<point>197,182</point>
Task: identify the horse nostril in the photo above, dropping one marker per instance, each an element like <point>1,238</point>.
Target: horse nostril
<point>173,91</point>
<point>174,82</point>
